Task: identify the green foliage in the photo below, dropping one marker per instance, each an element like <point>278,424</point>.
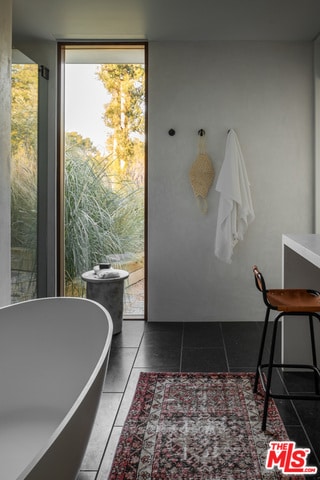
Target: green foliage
<point>24,156</point>
<point>98,221</point>
<point>24,115</point>
<point>23,206</point>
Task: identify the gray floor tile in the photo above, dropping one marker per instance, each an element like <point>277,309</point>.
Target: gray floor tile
<point>131,334</point>
<point>128,397</point>
<point>242,342</point>
<point>203,360</point>
<point>106,464</point>
<point>87,476</point>
<point>164,327</point>
<point>155,356</point>
<point>120,365</point>
<point>106,415</point>
<point>202,335</point>
<point>162,339</point>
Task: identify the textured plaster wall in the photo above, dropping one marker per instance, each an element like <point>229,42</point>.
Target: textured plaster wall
<point>265,92</point>
<point>5,109</point>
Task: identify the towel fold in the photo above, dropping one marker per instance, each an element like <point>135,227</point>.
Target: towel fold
<point>235,211</point>
<point>108,274</point>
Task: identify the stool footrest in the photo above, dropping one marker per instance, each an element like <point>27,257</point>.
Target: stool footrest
<point>296,396</point>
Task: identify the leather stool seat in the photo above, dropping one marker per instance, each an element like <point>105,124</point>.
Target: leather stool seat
<point>289,302</point>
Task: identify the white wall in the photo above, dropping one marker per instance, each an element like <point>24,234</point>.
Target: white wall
<point>5,147</point>
<point>317,132</point>
<point>265,92</point>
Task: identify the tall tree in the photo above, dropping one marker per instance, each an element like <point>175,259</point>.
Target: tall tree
<point>24,109</point>
<point>124,117</point>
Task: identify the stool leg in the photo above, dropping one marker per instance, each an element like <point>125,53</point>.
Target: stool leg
<point>263,339</point>
<point>314,354</point>
<point>270,369</point>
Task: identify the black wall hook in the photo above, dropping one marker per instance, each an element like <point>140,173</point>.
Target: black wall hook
<point>201,132</point>
<point>172,132</point>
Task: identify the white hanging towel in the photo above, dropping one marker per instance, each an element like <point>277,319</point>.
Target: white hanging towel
<point>235,211</point>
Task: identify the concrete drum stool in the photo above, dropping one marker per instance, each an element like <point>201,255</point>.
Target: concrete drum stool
<point>106,286</point>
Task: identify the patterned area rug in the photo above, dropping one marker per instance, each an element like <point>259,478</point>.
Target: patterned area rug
<point>196,426</point>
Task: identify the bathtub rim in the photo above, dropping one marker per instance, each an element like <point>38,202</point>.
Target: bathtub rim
<point>91,379</point>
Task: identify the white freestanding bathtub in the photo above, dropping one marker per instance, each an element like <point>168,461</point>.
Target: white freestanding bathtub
<point>53,358</point>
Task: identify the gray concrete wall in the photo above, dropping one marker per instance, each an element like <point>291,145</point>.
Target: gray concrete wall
<point>265,92</point>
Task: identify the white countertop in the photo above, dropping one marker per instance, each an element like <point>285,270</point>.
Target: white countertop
<point>305,244</point>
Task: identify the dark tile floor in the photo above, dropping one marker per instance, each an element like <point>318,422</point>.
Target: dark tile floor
<point>187,347</point>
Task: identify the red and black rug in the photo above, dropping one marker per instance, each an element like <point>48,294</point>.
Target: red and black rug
<point>196,426</point>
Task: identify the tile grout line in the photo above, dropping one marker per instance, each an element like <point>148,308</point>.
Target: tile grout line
<point>224,346</point>
<point>120,403</point>
<point>181,347</point>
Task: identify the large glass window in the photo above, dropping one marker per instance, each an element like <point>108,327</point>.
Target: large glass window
<point>103,174</point>
<point>24,161</point>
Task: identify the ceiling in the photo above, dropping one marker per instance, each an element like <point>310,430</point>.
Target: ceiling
<point>167,20</point>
